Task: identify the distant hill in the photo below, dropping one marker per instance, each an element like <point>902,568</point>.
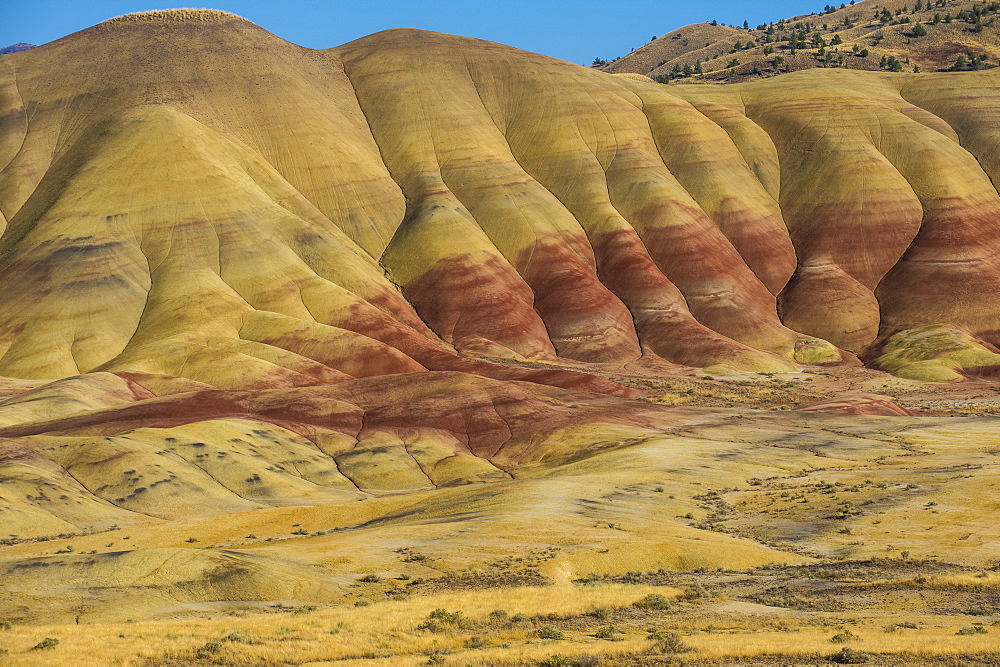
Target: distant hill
<point>889,35</point>
<point>14,48</point>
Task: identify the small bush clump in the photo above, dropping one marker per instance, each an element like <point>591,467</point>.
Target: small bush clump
<point>694,592</point>
<point>209,649</point>
<point>843,637</point>
<point>668,642</point>
<point>850,656</point>
<point>46,644</point>
<point>653,601</point>
<point>441,620</point>
<point>549,632</point>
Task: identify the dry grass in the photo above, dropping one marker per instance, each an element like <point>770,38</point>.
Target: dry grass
<point>175,16</point>
<point>389,633</point>
<point>714,46</point>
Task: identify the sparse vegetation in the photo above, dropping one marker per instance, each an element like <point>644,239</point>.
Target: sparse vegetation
<point>46,644</point>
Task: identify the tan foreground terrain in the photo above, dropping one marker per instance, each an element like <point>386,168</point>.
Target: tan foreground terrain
<point>780,535</point>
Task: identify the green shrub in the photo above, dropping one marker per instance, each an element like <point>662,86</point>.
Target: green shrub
<point>600,613</point>
<point>653,601</point>
<point>973,630</point>
<point>609,632</point>
<point>557,660</point>
<point>850,656</point>
<point>45,644</point>
<point>549,632</point>
<point>694,592</point>
<point>441,620</point>
<point>210,648</point>
<point>668,642</point>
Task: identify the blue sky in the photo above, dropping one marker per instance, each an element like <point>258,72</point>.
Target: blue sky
<point>577,31</point>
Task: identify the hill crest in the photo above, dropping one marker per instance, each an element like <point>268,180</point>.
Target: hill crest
<point>888,35</point>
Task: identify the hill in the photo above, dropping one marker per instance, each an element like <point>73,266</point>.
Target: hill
<point>698,226</point>
<point>887,35</point>
<point>284,327</point>
<point>14,48</point>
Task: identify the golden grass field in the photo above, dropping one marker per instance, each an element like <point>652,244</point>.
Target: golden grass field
<point>586,624</point>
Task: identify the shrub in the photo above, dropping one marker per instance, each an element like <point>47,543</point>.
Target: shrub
<point>549,632</point>
<point>609,632</point>
<point>476,642</point>
<point>850,656</point>
<point>668,642</point>
<point>557,660</point>
<point>440,620</point>
<point>45,644</point>
<point>843,637</point>
<point>694,592</point>
<point>210,648</point>
<point>600,613</point>
<point>653,601</point>
<point>973,630</point>
<point>370,578</point>
<point>498,617</point>
<point>305,609</point>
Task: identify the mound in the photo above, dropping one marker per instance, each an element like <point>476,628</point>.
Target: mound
<point>872,35</point>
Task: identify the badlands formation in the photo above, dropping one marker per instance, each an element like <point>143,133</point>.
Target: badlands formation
<point>421,314</point>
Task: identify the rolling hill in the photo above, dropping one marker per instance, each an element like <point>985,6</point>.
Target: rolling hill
<point>873,35</point>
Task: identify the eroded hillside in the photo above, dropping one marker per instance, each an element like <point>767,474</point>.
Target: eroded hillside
<point>178,203</point>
